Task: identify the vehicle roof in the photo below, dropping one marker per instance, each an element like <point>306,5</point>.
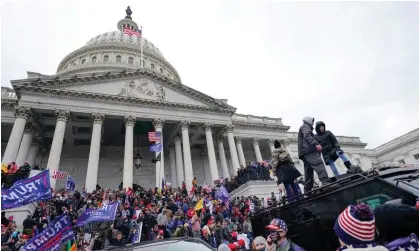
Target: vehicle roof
<point>146,244</point>
<point>404,177</point>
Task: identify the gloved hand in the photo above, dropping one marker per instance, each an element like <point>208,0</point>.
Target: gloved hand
<point>339,152</point>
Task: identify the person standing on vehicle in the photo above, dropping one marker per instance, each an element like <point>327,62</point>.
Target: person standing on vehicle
<point>285,170</point>
<point>309,152</point>
<point>277,239</point>
<point>330,148</point>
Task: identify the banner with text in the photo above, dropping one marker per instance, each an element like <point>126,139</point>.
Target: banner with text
<point>59,231</point>
<point>106,213</point>
<point>27,191</point>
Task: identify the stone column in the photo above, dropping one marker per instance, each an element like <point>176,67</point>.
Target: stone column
<point>33,151</point>
<point>233,150</point>
<point>22,155</point>
<point>22,114</point>
<point>93,163</point>
<point>57,143</point>
<point>223,160</point>
<point>239,146</point>
<point>172,156</point>
<point>257,150</point>
<point>271,145</point>
<point>158,127</point>
<point>129,152</point>
<point>187,154</point>
<point>179,161</point>
<point>211,153</point>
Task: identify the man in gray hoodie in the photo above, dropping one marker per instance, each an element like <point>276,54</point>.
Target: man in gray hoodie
<point>309,152</point>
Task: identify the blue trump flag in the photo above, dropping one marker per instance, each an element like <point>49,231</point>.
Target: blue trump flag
<point>59,231</point>
<point>27,191</point>
<point>105,213</point>
<point>222,194</point>
<point>71,185</point>
<point>156,147</point>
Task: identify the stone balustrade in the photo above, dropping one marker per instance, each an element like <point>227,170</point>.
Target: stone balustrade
<point>397,142</point>
<point>293,136</point>
<point>256,119</point>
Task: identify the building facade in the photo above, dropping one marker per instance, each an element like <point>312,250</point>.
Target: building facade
<point>403,151</point>
<point>92,117</point>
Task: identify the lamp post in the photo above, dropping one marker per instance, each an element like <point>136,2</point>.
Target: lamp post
<point>138,159</point>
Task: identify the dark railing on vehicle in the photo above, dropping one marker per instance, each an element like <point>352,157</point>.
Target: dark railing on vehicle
<point>311,218</point>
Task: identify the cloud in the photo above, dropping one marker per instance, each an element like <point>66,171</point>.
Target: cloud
<point>351,64</point>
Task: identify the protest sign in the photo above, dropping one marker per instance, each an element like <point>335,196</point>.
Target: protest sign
<point>27,191</point>
<point>105,213</point>
<point>59,231</point>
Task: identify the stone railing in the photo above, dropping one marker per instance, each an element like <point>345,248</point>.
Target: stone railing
<point>8,93</point>
<point>293,136</point>
<point>256,119</point>
<point>397,141</point>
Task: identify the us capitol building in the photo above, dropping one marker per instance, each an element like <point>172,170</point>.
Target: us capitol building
<point>92,118</point>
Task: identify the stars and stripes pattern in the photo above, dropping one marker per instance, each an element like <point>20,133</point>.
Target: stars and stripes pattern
<point>361,230</point>
<point>136,32</point>
<point>59,175</point>
<point>154,136</point>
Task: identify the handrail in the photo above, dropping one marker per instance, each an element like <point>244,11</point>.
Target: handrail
<point>312,194</point>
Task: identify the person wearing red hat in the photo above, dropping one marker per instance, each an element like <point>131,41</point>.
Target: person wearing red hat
<point>277,239</point>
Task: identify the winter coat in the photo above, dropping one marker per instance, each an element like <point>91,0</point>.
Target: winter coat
<point>306,142</point>
<point>284,166</point>
<point>328,142</point>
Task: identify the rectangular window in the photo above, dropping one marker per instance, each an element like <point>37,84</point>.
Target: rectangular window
<point>83,129</point>
<point>416,156</point>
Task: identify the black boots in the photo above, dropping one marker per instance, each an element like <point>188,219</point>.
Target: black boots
<point>348,164</point>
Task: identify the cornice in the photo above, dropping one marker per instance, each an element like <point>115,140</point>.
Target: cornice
<point>57,82</point>
<point>8,105</point>
<point>270,127</point>
<point>94,97</point>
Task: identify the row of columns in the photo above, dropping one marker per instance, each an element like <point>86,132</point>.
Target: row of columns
<point>19,149</point>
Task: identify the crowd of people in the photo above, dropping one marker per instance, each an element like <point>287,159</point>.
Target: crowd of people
<point>224,224</point>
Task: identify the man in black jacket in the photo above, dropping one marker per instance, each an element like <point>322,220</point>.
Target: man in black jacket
<point>330,148</point>
<point>309,152</point>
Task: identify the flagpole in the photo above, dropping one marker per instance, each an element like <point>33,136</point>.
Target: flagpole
<point>141,48</point>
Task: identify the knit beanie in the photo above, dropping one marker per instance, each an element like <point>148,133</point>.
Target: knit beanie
<point>259,240</point>
<point>356,225</point>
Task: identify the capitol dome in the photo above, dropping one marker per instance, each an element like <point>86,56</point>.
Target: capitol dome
<point>115,51</point>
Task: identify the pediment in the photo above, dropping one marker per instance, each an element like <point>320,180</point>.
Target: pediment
<point>141,88</point>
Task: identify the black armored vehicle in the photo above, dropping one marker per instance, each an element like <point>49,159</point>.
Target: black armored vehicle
<point>312,217</point>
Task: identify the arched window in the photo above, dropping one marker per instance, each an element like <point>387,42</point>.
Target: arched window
<point>130,60</point>
<point>106,58</point>
<point>94,59</point>
<point>152,66</point>
<point>161,70</point>
<point>118,59</point>
<point>83,61</point>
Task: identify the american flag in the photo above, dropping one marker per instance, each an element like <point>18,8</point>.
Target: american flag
<point>154,136</point>
<point>59,175</point>
<point>136,32</point>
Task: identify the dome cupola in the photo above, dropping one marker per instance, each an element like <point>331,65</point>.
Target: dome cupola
<point>115,50</point>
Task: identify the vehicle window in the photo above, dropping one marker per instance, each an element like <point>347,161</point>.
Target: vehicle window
<point>374,200</point>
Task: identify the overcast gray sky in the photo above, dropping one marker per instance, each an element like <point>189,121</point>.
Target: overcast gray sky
<point>353,65</point>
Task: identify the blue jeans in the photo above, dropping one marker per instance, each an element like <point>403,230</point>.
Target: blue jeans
<point>293,190</point>
<point>332,165</point>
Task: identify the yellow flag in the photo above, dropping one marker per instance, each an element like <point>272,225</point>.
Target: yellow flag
<point>200,205</point>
